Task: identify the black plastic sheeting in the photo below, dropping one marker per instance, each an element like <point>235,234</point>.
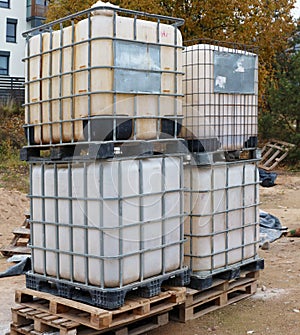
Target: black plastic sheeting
<point>270,227</point>
<point>267,179</point>
<point>22,267</point>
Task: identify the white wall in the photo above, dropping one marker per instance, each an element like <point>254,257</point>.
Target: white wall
<point>17,11</point>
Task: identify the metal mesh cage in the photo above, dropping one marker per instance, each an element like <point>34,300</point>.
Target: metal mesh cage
<point>221,96</point>
<point>107,223</point>
<point>103,74</point>
<point>222,228</point>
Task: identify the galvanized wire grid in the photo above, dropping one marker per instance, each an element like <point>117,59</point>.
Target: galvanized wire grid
<point>60,111</point>
<point>75,237</point>
<point>229,243</point>
<point>221,93</point>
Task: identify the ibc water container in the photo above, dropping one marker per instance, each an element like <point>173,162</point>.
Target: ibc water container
<point>222,228</point>
<point>109,223</point>
<point>221,95</point>
<point>111,66</point>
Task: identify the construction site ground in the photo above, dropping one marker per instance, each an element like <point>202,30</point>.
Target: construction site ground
<point>274,309</point>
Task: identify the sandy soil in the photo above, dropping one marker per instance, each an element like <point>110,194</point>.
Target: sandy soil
<point>274,309</point>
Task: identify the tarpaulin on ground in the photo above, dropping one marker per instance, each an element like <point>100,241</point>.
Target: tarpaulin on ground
<point>21,267</point>
<point>267,179</point>
<point>270,227</point>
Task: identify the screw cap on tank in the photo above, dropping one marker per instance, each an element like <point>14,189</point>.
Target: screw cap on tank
<point>105,11</point>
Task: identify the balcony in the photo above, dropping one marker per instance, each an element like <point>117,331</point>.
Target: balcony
<point>36,11</point>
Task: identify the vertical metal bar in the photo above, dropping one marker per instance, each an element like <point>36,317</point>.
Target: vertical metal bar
<point>163,214</point>
<point>227,216</point>
<point>71,225</point>
<point>175,78</point>
<point>158,121</point>
<point>212,216</point>
<point>89,97</point>
<point>120,228</point>
<point>43,216</point>
<point>181,229</point>
<point>50,75</point>
<point>40,97</point>
<point>32,218</point>
<point>115,92</point>
<point>135,104</point>
<point>191,211</point>
<point>61,59</point>
<point>86,233</point>
<point>243,210</point>
<point>141,210</point>
<point>72,82</point>
<point>57,251</point>
<point>101,221</point>
<point>256,208</point>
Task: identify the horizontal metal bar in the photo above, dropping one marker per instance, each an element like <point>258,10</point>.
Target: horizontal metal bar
<point>115,257</point>
<point>176,21</point>
<point>228,230</point>
<point>224,251</point>
<point>102,228</point>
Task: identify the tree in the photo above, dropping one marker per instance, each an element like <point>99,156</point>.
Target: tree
<point>282,120</point>
<point>265,24</point>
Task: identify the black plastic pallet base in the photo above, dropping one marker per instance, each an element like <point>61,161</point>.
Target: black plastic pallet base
<point>102,128</point>
<point>201,283</point>
<point>110,298</point>
<point>103,150</point>
<point>203,144</point>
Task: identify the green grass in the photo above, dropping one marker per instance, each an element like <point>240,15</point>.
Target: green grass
<point>13,172</point>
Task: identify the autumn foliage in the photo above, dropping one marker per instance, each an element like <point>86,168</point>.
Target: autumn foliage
<point>265,24</point>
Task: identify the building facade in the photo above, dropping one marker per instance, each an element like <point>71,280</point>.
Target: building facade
<point>16,16</point>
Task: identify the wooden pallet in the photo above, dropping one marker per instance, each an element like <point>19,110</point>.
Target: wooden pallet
<point>220,294</point>
<point>21,238</point>
<point>42,312</point>
<point>139,327</point>
<point>273,153</point>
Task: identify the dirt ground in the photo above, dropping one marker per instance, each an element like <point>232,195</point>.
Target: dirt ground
<point>274,309</point>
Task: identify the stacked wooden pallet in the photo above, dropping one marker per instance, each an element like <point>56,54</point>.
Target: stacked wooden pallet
<point>18,244</point>
<point>38,313</point>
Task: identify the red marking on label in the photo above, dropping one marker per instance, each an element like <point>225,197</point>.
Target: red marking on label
<point>164,34</point>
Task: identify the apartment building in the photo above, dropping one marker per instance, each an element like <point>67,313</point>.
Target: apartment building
<point>16,16</point>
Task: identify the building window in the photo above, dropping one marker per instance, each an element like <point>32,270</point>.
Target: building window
<point>4,3</point>
<point>4,63</point>
<point>11,30</point>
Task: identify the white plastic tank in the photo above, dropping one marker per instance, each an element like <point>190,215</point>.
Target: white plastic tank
<point>107,223</point>
<point>109,65</point>
<point>221,95</point>
<point>222,229</point>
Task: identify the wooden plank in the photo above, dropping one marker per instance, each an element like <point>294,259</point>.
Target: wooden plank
<point>25,232</point>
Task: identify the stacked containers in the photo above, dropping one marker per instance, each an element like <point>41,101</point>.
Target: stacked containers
<point>222,197</point>
<point>100,228</point>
